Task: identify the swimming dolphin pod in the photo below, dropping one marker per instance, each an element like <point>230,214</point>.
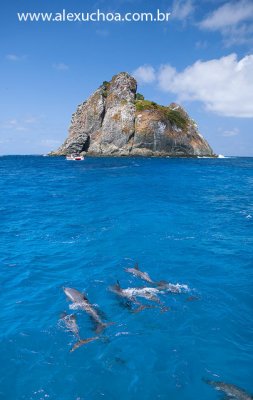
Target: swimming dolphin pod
<point>79,301</point>
<point>130,295</point>
<point>147,292</point>
<point>231,391</point>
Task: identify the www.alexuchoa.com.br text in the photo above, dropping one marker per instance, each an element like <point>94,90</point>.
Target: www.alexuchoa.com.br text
<point>97,16</point>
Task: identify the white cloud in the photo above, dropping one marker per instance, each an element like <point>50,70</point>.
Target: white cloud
<point>224,85</point>
<point>14,57</point>
<point>238,35</point>
<point>14,125</point>
<point>12,122</point>
<point>229,14</point>
<point>61,66</point>
<point>234,20</point>
<point>21,125</point>
<point>231,132</point>
<point>31,120</point>
<point>145,74</point>
<point>182,9</point>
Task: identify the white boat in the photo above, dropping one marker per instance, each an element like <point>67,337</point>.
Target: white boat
<point>73,157</point>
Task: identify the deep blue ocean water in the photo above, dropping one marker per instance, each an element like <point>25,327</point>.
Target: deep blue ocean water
<point>79,224</point>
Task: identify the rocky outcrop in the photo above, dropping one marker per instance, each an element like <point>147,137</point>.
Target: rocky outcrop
<point>115,121</point>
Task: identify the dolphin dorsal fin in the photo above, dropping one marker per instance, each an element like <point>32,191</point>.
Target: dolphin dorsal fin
<point>118,284</point>
<point>85,297</point>
<point>136,266</point>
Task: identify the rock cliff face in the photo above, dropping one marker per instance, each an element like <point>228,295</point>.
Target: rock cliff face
<point>115,121</point>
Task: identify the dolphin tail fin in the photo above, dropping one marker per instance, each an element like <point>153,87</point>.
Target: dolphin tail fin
<point>100,327</point>
<point>82,342</point>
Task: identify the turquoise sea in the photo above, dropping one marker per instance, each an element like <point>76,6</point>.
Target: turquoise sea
<point>80,224</point>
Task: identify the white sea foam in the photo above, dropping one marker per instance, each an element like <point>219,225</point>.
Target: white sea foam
<point>141,291</point>
<point>40,395</point>
<point>172,237</point>
<point>175,288</point>
<point>75,306</point>
<point>122,333</point>
<point>182,287</point>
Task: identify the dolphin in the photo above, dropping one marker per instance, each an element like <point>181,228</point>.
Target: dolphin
<point>83,341</point>
<point>128,296</point>
<point>71,325</point>
<point>117,289</point>
<point>137,272</point>
<point>147,293</point>
<point>161,285</point>
<point>81,302</point>
<point>231,391</point>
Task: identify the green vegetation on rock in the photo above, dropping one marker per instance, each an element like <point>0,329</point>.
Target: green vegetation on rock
<point>174,116</point>
<point>177,118</point>
<point>142,105</point>
<point>105,86</point>
<point>139,96</point>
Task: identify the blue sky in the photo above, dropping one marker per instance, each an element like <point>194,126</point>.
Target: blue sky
<point>202,58</point>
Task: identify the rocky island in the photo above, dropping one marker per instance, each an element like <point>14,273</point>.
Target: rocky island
<point>118,121</point>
